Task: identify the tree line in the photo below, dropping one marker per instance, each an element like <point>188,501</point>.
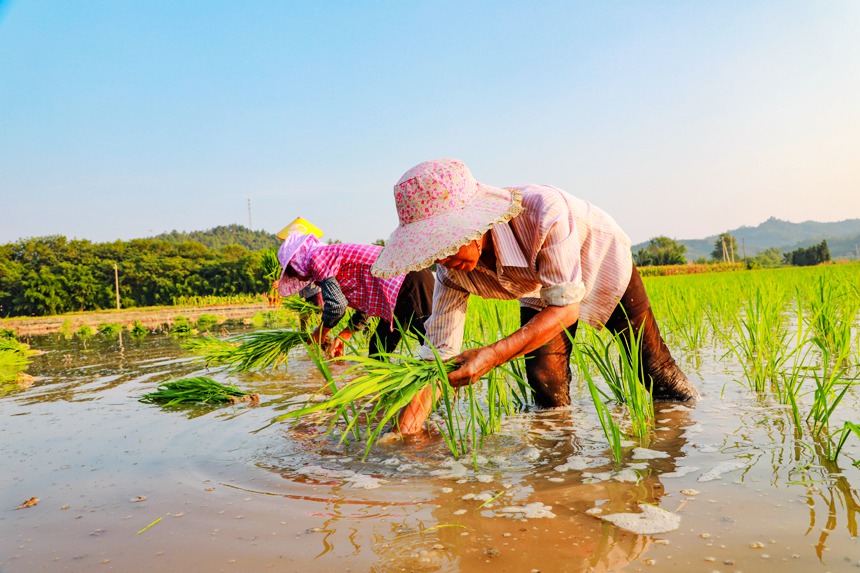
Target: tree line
<point>51,275</point>
<point>662,250</point>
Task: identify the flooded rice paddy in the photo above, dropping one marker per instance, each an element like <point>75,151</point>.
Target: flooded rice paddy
<point>126,486</point>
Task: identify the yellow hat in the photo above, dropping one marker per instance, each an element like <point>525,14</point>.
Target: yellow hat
<point>299,226</point>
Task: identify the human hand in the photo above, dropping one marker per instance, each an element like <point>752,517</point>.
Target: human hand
<point>317,336</point>
<point>335,348</point>
<point>473,364</point>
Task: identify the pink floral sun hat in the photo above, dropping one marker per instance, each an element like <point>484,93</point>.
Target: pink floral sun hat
<point>296,250</point>
<point>441,208</point>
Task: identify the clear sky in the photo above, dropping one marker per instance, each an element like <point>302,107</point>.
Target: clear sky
<point>124,119</point>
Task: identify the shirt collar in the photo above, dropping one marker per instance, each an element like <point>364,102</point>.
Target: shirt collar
<point>507,249</point>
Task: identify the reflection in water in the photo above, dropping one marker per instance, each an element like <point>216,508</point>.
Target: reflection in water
<point>293,498</point>
<point>552,458</point>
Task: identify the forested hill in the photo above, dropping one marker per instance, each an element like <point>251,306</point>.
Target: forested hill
<point>224,235</point>
<point>843,238</point>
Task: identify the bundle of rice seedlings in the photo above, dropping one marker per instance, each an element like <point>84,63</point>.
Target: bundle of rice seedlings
<point>379,392</point>
<point>215,351</point>
<point>252,351</point>
<point>265,348</point>
<point>300,306</point>
<point>14,357</point>
<point>270,264</point>
<point>197,390</point>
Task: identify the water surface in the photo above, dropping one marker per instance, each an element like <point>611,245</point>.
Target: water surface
<point>127,486</point>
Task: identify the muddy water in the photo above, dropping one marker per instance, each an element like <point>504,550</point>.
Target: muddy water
<point>126,486</point>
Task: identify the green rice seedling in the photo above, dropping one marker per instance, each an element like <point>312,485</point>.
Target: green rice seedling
<point>308,313</point>
<point>833,312</point>
<point>66,329</point>
<point>686,320</point>
<point>215,351</point>
<point>196,390</point>
<point>206,322</point>
<point>14,358</point>
<point>619,363</point>
<point>138,330</point>
<point>84,331</point>
<point>379,392</point>
<point>109,329</point>
<point>273,319</point>
<point>182,327</point>
<point>844,434</point>
<point>788,382</point>
<point>760,340</point>
<point>610,426</point>
<point>831,385</point>
<point>271,265</point>
<point>255,350</point>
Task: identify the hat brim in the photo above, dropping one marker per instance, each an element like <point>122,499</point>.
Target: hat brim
<point>418,245</point>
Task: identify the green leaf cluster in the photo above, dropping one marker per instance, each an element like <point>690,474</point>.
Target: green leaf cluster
<point>52,275</point>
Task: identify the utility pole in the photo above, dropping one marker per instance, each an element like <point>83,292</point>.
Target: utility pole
<point>116,283</point>
<point>250,226</point>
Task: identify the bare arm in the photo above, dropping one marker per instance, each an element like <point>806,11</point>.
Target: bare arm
<point>545,325</point>
<point>476,362</point>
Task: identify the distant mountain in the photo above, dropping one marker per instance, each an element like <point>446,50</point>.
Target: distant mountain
<point>224,235</point>
<point>843,238</point>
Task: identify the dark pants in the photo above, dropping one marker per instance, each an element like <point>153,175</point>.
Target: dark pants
<point>413,307</point>
<point>548,367</point>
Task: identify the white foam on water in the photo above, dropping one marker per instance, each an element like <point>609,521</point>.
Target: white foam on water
<point>535,510</point>
<point>356,480</point>
<point>362,481</point>
<point>324,473</point>
<point>627,476</point>
<point>573,463</point>
<point>707,448</point>
<point>455,470</point>
<point>531,454</point>
<point>638,466</point>
<point>646,454</point>
<point>589,477</point>
<point>717,471</point>
<point>680,471</point>
<point>484,478</point>
<point>485,496</point>
<point>652,520</point>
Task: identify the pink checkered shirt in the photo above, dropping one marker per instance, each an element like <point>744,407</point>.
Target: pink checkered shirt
<point>350,265</point>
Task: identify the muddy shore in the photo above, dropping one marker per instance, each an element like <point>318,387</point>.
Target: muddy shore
<point>151,318</point>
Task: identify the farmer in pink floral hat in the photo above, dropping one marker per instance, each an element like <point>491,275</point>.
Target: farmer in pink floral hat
<point>342,271</point>
<point>562,257</point>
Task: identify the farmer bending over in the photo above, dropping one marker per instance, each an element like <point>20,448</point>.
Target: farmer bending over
<point>342,271</point>
<point>562,257</point>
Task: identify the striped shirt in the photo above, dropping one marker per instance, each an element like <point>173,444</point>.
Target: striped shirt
<point>558,251</point>
<point>350,266</point>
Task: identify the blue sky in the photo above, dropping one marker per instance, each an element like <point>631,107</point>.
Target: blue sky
<point>127,119</point>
